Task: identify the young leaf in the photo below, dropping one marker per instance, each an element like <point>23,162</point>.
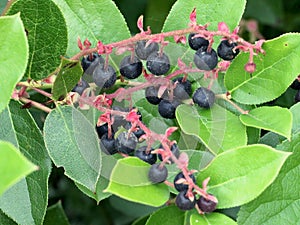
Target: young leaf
<point>278,204</point>
<point>129,180</point>
<point>68,76</point>
<point>55,215</point>
<point>72,143</point>
<point>91,21</point>
<point>275,71</point>
<point>217,128</point>
<point>13,166</point>
<point>14,56</point>
<point>46,33</point>
<point>31,193</point>
<point>276,119</point>
<point>167,216</point>
<point>236,175</point>
<point>211,219</point>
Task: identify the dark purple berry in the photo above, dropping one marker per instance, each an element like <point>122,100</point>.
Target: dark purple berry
<point>80,86</point>
<point>182,90</point>
<point>205,60</point>
<point>297,96</point>
<point>131,69</point>
<point>143,52</point>
<point>151,94</point>
<point>104,78</point>
<point>174,149</point>
<point>206,205</point>
<point>167,108</point>
<point>183,202</point>
<point>88,60</point>
<point>158,64</point>
<point>226,50</point>
<point>126,142</point>
<point>148,157</point>
<point>108,145</point>
<point>137,133</point>
<point>157,173</point>
<point>182,186</point>
<point>204,97</point>
<point>101,130</point>
<point>198,42</point>
<point>295,85</point>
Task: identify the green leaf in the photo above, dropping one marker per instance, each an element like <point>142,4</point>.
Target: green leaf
<point>211,219</point>
<point>55,215</point>
<point>4,219</point>
<point>129,180</point>
<point>92,20</point>
<point>240,175</point>
<point>13,166</point>
<point>279,203</point>
<point>275,118</point>
<point>167,216</point>
<point>296,118</point>
<point>13,67</point>
<point>217,128</point>
<point>72,143</point>
<point>46,33</point>
<point>31,193</point>
<point>275,71</point>
<point>68,76</point>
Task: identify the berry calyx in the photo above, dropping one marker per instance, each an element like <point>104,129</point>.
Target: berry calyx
<point>158,63</point>
<point>81,86</point>
<point>206,205</point>
<point>204,97</point>
<point>198,42</point>
<point>138,133</point>
<point>143,52</point>
<point>147,157</point>
<point>205,60</point>
<point>182,90</point>
<point>182,186</point>
<point>183,202</point>
<point>151,94</point>
<point>226,50</point>
<point>167,108</point>
<point>131,68</point>
<point>104,78</point>
<point>158,173</point>
<point>126,142</point>
<point>174,149</point>
<point>107,145</point>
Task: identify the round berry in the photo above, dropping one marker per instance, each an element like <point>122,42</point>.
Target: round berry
<point>174,149</point>
<point>158,63</point>
<point>87,61</point>
<point>204,97</point>
<point>142,51</point>
<point>205,60</point>
<point>167,108</point>
<point>108,145</point>
<point>198,42</point>
<point>148,157</point>
<point>126,142</point>
<point>226,50</point>
<point>137,133</point>
<point>101,130</point>
<point>131,69</point>
<point>295,85</point>
<point>206,205</point>
<point>117,119</point>
<point>104,78</point>
<point>158,173</point>
<point>182,90</point>
<point>183,202</point>
<point>81,86</point>
<point>297,96</point>
<point>182,186</point>
<point>151,94</point>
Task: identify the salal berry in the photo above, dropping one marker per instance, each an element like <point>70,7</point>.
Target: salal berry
<point>131,68</point>
<point>158,63</point>
<point>138,133</point>
<point>104,77</point>
<point>226,50</point>
<point>151,94</point>
<point>182,186</point>
<point>102,129</point>
<point>167,108</point>
<point>183,202</point>
<point>126,142</point>
<point>204,59</point>
<point>81,86</point>
<point>206,205</point>
<point>204,97</point>
<point>148,157</point>
<point>198,42</point>
<point>158,173</point>
<point>88,60</point>
<point>143,52</point>
<point>174,149</point>
<point>108,145</point>
<point>182,90</point>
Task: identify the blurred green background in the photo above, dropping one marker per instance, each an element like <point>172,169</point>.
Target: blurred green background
<point>273,17</point>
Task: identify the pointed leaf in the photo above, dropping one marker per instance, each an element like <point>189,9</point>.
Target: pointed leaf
<point>276,119</point>
<point>55,215</point>
<point>236,175</point>
<point>275,71</point>
<point>13,67</point>
<point>168,216</point>
<point>13,166</point>
<point>211,219</point>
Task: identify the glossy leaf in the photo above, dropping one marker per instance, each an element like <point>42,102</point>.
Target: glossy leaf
<point>275,71</point>
<point>168,216</point>
<point>55,215</point>
<point>73,144</point>
<point>91,21</point>
<point>31,193</point>
<point>46,33</point>
<point>129,180</point>
<point>13,67</point>
<point>217,128</point>
<point>279,203</point>
<point>211,219</point>
<point>13,166</point>
<point>276,119</point>
<point>68,76</point>
<point>236,175</point>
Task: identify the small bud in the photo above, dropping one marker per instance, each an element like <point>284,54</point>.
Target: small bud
<point>250,67</point>
<point>193,17</point>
